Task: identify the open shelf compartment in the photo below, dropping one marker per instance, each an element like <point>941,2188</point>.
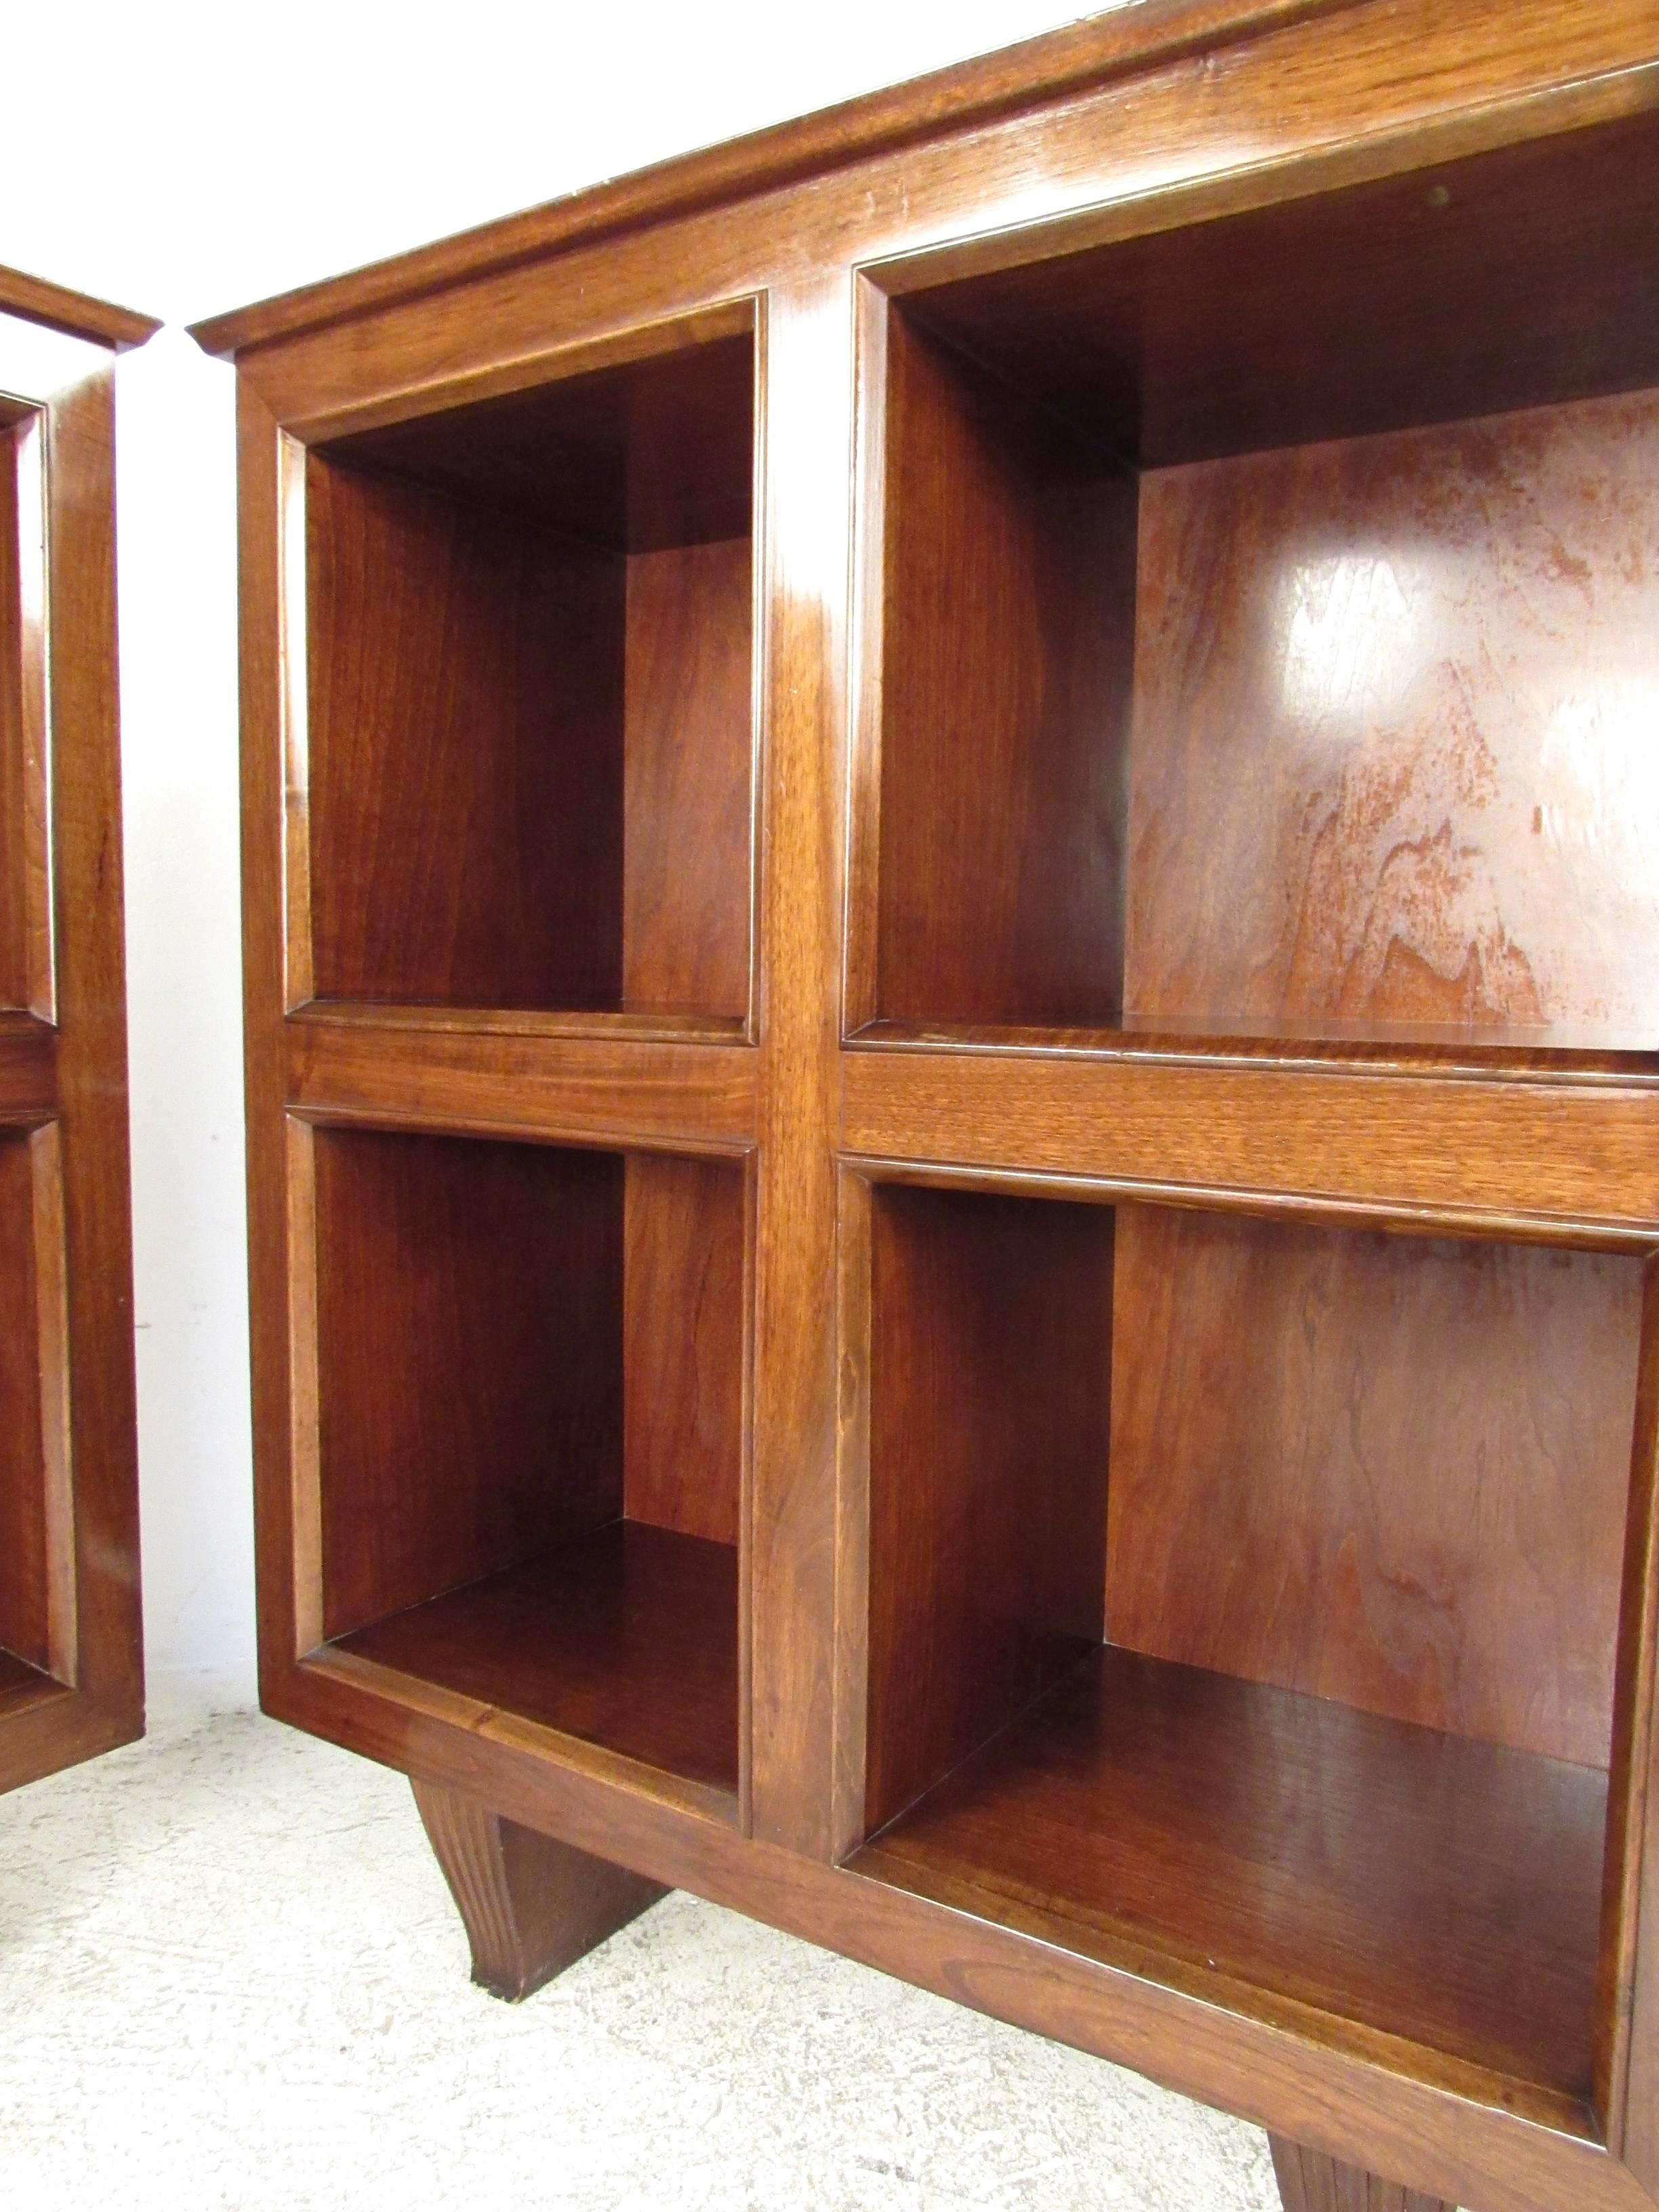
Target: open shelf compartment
<point>1245,1604</point>
<point>530,1363</point>
<point>1260,621</point>
<point>530,733</point>
<point>37,1595</point>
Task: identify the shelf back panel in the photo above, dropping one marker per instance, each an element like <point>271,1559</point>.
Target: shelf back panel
<point>1394,759</point>
<point>465,762</point>
<point>1388,1470</point>
<point>24,1564</point>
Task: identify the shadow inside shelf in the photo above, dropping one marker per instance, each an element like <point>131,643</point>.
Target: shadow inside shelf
<point>627,1638</point>
<point>1420,1884</point>
<point>21,1684</point>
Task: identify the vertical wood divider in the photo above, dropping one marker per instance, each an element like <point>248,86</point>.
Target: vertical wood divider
<point>51,1338</point>
<point>806,334</point>
<point>270,624</point>
<point>854,1323</point>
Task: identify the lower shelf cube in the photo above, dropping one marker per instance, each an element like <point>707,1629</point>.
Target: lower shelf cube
<point>1256,1843</point>
<point>1244,1610</point>
<point>528,1473</point>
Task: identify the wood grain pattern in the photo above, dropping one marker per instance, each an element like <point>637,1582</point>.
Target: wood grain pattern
<point>465,758</point>
<point>1006,659</point>
<point>531,1905</point>
<point>1429,1887</point>
<point>25,1627</point>
<point>683,1325</point>
<point>1539,1152</point>
<point>627,1637</point>
<point>689,778</point>
<point>1308,2181</point>
<point>989,1410</point>
<point>381,1064</point>
<point>1431,1131</point>
<point>1391,757</point>
<point>470,1303</point>
<point>1390,1471</point>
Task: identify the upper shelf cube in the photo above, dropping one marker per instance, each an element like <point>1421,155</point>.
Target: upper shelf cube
<point>1260,619</point>
<point>531,709</point>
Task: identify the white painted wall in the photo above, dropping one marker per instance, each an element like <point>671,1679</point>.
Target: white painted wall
<point>206,156</point>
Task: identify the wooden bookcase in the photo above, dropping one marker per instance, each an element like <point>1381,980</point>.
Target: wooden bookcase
<point>71,1661</point>
<point>953,1058</point>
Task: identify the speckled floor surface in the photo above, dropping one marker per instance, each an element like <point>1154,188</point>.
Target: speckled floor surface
<point>230,1976</point>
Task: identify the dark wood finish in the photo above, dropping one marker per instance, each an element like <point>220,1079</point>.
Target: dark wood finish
<point>465,776</point>
<point>627,1638</point>
<point>69,1517</point>
<point>1008,642</point>
<point>684,1323</point>
<point>1260,1847</point>
<point>531,1905</point>
<point>1308,2181</point>
<point>469,1306</point>
<point>1385,1470</point>
<point>1385,148</point>
<point>991,1366</point>
<point>689,777</point>
<point>530,745</point>
<point>1195,339</point>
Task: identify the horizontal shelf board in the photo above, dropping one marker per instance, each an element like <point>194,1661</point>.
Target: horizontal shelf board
<point>28,1068</point>
<point>627,1638</point>
<point>1375,1046</point>
<point>1529,1150</point>
<point>384,1014</point>
<point>1411,1885</point>
<point>377,1067</point>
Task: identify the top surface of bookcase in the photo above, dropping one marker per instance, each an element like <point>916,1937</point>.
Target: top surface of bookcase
<point>74,313</point>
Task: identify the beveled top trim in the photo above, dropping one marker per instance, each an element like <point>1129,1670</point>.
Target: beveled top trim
<point>75,314</point>
<point>1076,58</point>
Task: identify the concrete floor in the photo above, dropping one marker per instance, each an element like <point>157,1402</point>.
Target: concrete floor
<point>230,1976</point>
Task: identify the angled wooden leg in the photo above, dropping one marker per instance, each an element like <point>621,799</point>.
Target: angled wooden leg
<point>1308,2181</point>
<point>531,1905</point>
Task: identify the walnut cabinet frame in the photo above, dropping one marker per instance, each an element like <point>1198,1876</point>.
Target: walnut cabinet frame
<point>952,963</point>
<point>72,1662</point>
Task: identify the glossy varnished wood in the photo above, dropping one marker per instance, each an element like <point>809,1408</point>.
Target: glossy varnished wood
<point>1435,1144</point>
<point>1391,757</point>
<point>531,1905</point>
<point>1349,125</point>
<point>627,1637</point>
<point>1265,1848</point>
<point>1390,1471</point>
